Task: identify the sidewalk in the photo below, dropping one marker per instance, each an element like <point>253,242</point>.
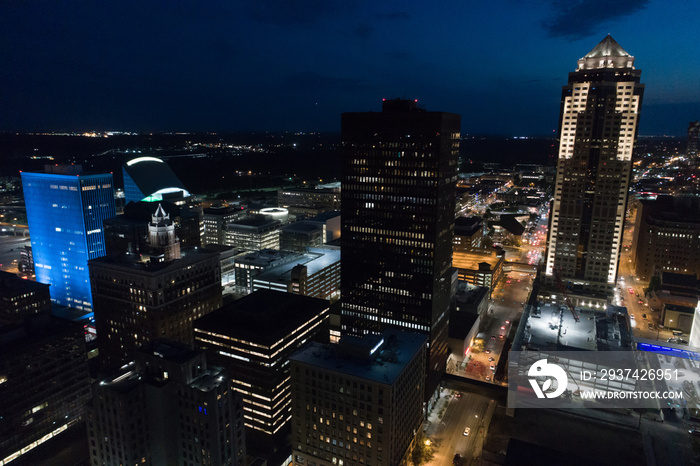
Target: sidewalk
<point>432,425</point>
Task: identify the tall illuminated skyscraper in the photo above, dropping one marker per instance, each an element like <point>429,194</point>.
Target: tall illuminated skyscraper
<point>65,214</point>
<point>599,122</point>
<point>397,223</point>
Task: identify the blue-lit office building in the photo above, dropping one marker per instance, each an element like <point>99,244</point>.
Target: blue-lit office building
<point>65,214</point>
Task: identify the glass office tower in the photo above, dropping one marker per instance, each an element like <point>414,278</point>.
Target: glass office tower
<point>65,214</point>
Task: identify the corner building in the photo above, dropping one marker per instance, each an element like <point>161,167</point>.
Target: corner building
<point>599,122</point>
<point>398,202</point>
<point>359,402</point>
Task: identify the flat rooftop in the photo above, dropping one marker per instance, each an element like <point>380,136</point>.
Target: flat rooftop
<point>545,329</point>
<point>132,263</point>
<point>13,285</point>
<point>315,259</point>
<point>471,261</point>
<point>263,317</point>
<point>266,257</point>
<point>390,359</point>
<point>554,327</point>
<point>302,227</point>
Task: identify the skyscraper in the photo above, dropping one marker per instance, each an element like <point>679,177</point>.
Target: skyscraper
<point>65,214</point>
<point>398,200</point>
<point>599,122</point>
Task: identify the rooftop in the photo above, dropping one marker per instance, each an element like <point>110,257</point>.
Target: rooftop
<point>132,262</point>
<point>13,285</point>
<point>314,259</point>
<point>263,317</point>
<point>302,227</point>
<point>471,261</point>
<point>391,356</point>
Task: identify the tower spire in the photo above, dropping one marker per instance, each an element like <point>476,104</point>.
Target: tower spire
<point>607,54</point>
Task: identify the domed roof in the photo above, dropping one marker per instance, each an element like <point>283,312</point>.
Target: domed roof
<point>148,178</point>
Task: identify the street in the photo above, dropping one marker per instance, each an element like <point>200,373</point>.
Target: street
<point>459,409</point>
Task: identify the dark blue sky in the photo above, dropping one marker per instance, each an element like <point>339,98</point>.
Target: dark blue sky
<point>297,64</point>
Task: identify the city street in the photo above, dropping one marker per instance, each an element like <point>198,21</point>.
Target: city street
<point>507,303</point>
<point>644,320</point>
<point>461,409</point>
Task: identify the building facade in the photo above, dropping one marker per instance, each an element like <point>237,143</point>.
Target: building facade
<point>65,215</point>
<point>138,302</point>
<point>469,235</point>
<point>301,235</point>
<point>600,110</point>
<point>314,273</point>
<point>254,233</point>
<point>358,402</point>
<point>398,204</point>
<point>169,406</point>
<point>253,338</point>
<point>667,237</point>
<point>20,299</point>
<point>215,221</point>
<point>44,383</point>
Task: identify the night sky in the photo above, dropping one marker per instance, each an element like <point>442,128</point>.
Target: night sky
<point>296,65</point>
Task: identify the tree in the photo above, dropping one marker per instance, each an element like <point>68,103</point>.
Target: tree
<point>422,451</point>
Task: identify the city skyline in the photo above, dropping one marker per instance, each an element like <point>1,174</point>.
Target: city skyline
<point>272,66</point>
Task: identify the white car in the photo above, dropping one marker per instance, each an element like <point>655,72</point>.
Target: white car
<point>467,430</point>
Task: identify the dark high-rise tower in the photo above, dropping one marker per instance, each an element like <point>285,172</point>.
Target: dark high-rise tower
<point>598,128</point>
<point>397,201</point>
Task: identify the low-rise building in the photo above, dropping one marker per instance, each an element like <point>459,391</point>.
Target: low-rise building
<point>215,221</point>
<point>483,269</point>
<point>254,233</point>
<point>249,265</point>
<point>301,235</point>
<point>314,273</point>
<point>469,235</point>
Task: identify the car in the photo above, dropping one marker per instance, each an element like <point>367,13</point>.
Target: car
<point>457,460</point>
<point>458,395</point>
<point>644,316</point>
<point>488,351</point>
<point>631,290</point>
<point>493,337</point>
<point>632,316</point>
<point>507,321</point>
<point>491,358</point>
<point>640,302</point>
<point>501,335</point>
<point>488,378</point>
<point>695,432</point>
<point>492,367</point>
<point>680,340</point>
<point>467,430</point>
<point>503,327</point>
